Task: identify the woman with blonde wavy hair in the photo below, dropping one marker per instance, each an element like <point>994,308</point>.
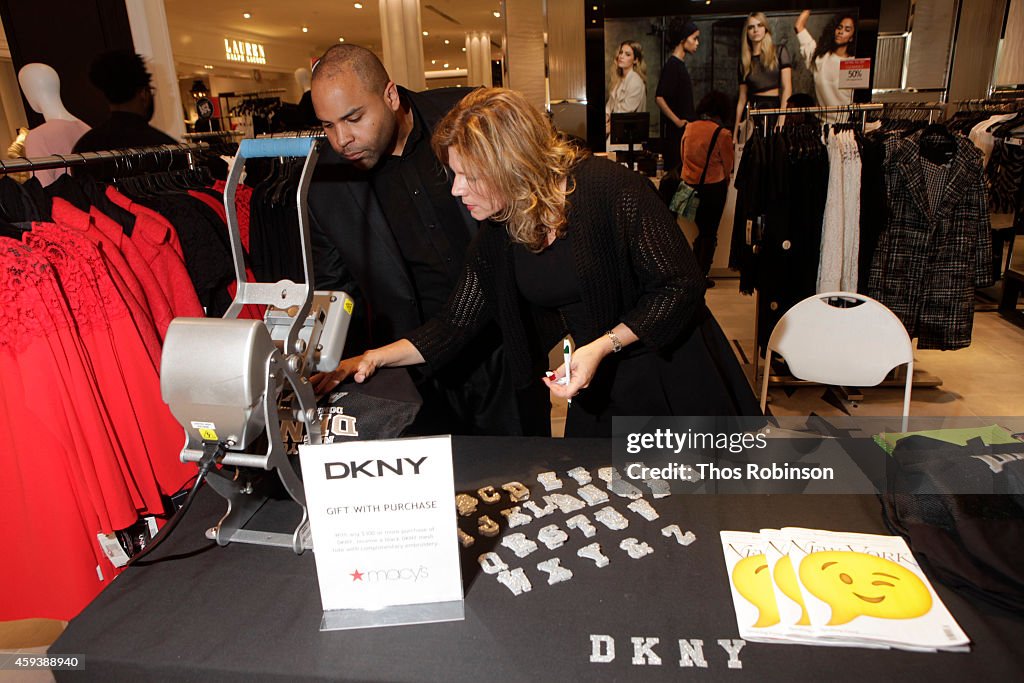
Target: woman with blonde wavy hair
<point>627,92</point>
<point>571,244</point>
<point>765,71</point>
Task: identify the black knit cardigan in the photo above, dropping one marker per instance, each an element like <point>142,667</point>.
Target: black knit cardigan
<point>632,260</point>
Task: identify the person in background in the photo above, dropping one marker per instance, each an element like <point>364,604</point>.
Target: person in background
<point>823,56</point>
<point>675,89</point>
<point>572,244</point>
<point>123,79</point>
<point>386,229</point>
<point>765,71</point>
<point>628,91</point>
<point>707,153</point>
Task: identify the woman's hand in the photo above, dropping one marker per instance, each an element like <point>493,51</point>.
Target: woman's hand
<point>585,361</point>
<point>368,364</point>
<point>396,354</point>
<point>327,381</point>
<point>583,366</point>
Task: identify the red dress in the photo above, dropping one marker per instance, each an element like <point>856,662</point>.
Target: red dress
<point>49,422</point>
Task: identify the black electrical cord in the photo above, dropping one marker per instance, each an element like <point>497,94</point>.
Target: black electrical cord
<point>211,452</point>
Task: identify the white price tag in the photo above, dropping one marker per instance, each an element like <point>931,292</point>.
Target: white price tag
<point>855,73</point>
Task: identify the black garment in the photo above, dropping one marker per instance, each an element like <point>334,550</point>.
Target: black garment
<point>275,247</point>
<point>306,113</point>
<point>709,215</point>
<point>634,267</point>
<point>676,88</point>
<point>549,280</point>
<point>415,193</point>
<point>123,129</point>
<point>356,250</point>
<point>970,541</point>
<point>760,79</point>
<point>204,242</point>
<point>782,185</point>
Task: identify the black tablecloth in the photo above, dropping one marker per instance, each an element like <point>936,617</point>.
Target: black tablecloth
<point>252,613</point>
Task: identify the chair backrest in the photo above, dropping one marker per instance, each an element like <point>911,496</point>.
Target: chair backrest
<point>856,346</point>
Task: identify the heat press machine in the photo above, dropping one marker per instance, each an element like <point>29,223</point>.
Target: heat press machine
<point>229,382</point>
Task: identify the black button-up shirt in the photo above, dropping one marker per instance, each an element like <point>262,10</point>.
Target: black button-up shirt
<point>414,191</point>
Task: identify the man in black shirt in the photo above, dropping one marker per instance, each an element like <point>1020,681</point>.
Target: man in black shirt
<point>124,81</point>
<point>675,89</point>
<point>387,230</point>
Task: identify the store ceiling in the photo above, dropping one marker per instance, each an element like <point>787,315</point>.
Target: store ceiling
<point>329,20</point>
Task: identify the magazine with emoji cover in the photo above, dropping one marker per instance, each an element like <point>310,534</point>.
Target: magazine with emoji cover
<point>869,589</point>
<point>753,598</point>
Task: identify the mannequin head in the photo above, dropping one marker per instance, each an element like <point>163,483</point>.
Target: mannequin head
<point>304,77</point>
<point>41,86</point>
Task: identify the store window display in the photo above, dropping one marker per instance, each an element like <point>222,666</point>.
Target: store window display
<point>573,244</point>
<point>628,92</point>
<point>41,86</point>
<point>822,57</point>
<point>675,87</point>
<point>765,69</point>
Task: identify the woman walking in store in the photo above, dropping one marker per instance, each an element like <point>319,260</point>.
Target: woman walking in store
<point>823,56</point>
<point>572,244</point>
<point>765,71</point>
<point>628,91</point>
<point>707,153</point>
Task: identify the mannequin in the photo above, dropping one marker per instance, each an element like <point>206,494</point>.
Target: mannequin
<point>41,86</point>
<point>304,78</point>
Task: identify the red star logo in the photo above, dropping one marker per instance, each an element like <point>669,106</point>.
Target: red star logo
<point>357,575</point>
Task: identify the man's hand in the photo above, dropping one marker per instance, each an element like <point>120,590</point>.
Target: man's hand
<point>328,381</point>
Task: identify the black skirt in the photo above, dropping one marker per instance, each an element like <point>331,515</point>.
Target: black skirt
<point>700,376</point>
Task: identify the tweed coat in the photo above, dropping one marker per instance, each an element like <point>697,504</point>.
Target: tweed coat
<point>928,263</point>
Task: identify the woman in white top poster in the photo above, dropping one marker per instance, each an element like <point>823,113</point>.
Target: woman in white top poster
<point>822,57</point>
<point>628,91</point>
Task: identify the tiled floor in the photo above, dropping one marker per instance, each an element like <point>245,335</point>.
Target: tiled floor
<point>982,380</point>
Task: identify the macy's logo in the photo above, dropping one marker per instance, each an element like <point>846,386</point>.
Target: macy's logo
<point>385,575</point>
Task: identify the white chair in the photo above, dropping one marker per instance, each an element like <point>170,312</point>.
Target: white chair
<point>856,346</point>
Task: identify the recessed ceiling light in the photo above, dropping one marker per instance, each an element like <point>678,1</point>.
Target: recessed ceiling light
<point>426,33</point>
<point>447,42</point>
<point>358,5</point>
<point>207,66</point>
<point>463,49</point>
<point>433,61</point>
<point>446,66</point>
<point>246,15</point>
<point>305,29</point>
<point>497,15</point>
<point>341,40</point>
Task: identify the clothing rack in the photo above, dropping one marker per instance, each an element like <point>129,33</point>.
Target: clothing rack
<point>308,133</point>
<point>921,377</point>
<point>254,93</point>
<point>932,108</point>
<point>81,159</point>
<point>850,109</point>
<point>214,134</point>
